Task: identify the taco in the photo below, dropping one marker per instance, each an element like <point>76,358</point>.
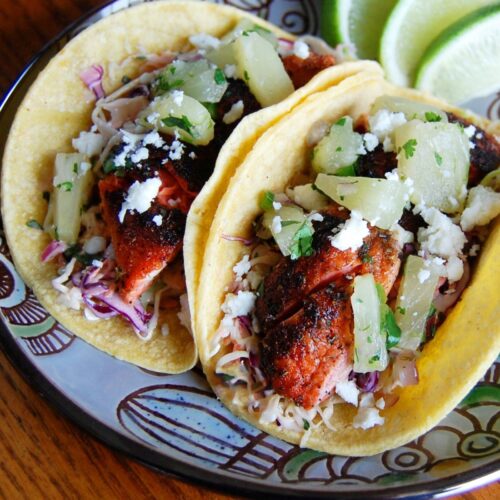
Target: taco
<point>349,298</point>
<point>111,145</point>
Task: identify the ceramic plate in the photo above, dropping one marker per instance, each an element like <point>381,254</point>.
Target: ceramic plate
<point>175,423</point>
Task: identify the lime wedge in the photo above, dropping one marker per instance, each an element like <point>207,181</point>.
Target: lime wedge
<point>411,27</point>
<point>356,22</point>
<point>464,61</point>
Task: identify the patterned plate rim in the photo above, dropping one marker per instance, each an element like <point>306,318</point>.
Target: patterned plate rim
<point>439,488</point>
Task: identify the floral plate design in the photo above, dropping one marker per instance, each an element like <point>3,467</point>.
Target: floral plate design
<point>174,422</point>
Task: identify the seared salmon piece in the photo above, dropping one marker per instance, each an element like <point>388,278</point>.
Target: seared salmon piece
<point>301,70</point>
<point>484,156</point>
<point>142,248</point>
<point>292,280</point>
<point>306,355</point>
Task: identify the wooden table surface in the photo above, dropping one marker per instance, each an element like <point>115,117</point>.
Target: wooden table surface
<point>42,454</point>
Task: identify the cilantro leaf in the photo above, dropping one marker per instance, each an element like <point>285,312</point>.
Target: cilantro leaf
<point>409,148</point>
<point>438,158</point>
<point>430,116</point>
<point>212,109</point>
<point>266,202</point>
<point>246,76</point>
<point>219,77</point>
<point>181,123</point>
<point>34,224</point>
<point>348,171</point>
<point>391,328</point>
<point>341,122</point>
<point>286,223</point>
<point>307,425</point>
<point>75,168</point>
<point>301,245</point>
<point>66,186</point>
<point>401,310</point>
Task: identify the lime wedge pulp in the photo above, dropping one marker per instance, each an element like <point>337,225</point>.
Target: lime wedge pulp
<point>356,22</point>
<point>464,61</point>
<point>411,27</point>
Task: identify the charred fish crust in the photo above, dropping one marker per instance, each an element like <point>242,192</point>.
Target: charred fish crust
<point>485,155</point>
<point>376,163</point>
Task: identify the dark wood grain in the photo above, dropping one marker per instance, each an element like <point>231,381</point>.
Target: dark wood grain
<point>42,454</point>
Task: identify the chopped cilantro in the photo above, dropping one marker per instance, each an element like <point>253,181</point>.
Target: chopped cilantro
<point>81,256</point>
<point>172,69</point>
<point>430,116</point>
<point>126,79</point>
<point>307,425</point>
<point>219,77</point>
<point>66,186</point>
<point>341,122</point>
<point>245,75</point>
<point>109,166</point>
<point>140,58</point>
<point>181,123</point>
<point>438,158</point>
<point>46,196</point>
<point>75,168</point>
<point>367,259</point>
<point>389,325</point>
<point>402,310</point>
<point>338,149</point>
<point>34,224</point>
<point>56,233</point>
<point>302,242</point>
<point>349,171</point>
<point>225,377</point>
<point>373,359</point>
<point>266,202</point>
<point>432,311</point>
<point>409,148</point>
<point>286,223</point>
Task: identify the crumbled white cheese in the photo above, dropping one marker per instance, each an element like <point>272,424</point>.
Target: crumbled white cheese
<point>204,41</point>
<point>366,418</point>
<point>482,206</point>
<point>423,275</point>
<point>139,155</point>
<point>315,216</point>
<point>235,113</point>
<point>361,150</point>
<point>158,220</point>
<point>470,131</point>
<point>383,123</point>
<point>371,141</point>
<point>392,175</point>
<point>89,143</point>
<point>402,235</point>
<point>83,168</point>
<point>176,150</point>
<point>301,49</point>
<point>192,155</point>
<point>242,267</point>
<point>97,263</point>
<point>442,238</point>
<point>380,403</point>
<point>177,97</point>
<point>276,205</point>
<point>153,138</point>
<point>352,233</point>
<point>230,70</point>
<point>276,225</point>
<point>140,196</point>
<point>348,391</point>
<point>474,250</point>
<point>94,245</point>
<point>153,117</point>
<point>239,304</point>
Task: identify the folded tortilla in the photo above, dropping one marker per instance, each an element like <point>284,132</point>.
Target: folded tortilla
<point>465,345</point>
<point>58,107</point>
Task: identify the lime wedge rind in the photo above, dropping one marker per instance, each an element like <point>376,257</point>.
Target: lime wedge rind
<point>411,27</point>
<point>357,23</point>
<point>464,61</point>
